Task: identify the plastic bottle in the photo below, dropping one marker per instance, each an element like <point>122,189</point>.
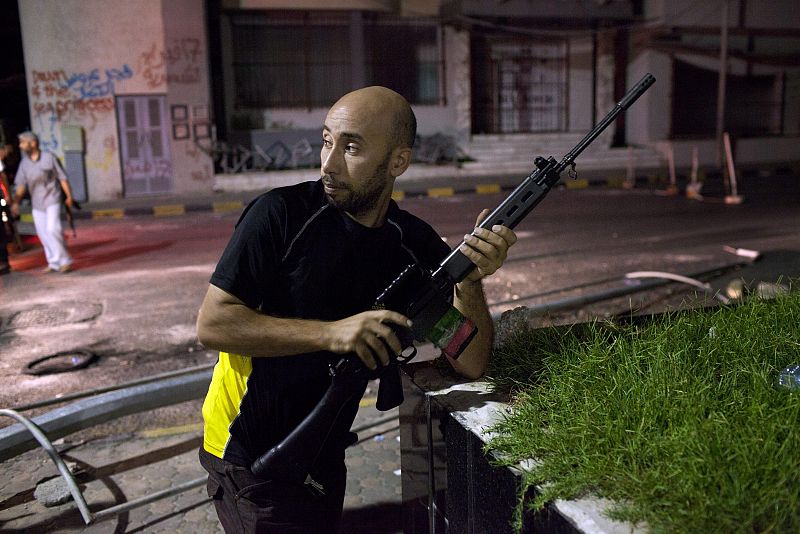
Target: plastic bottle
<point>789,378</point>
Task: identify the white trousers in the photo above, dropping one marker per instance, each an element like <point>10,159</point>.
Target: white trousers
<point>48,228</point>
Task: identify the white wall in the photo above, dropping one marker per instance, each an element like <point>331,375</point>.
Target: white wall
<point>758,13</point>
<point>648,120</point>
<point>451,119</point>
<point>80,54</point>
<point>186,83</point>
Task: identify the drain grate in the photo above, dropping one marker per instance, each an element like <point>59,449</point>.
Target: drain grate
<point>54,315</point>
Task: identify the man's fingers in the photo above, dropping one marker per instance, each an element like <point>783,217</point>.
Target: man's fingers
<point>377,349</point>
<point>481,216</point>
<point>483,248</point>
<point>388,336</point>
<point>388,316</point>
<point>491,245</point>
<point>488,249</point>
<point>506,233</point>
<point>484,265</point>
<point>501,236</point>
<point>366,357</point>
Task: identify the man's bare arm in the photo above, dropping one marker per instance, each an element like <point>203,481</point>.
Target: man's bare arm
<point>471,302</point>
<point>19,191</point>
<point>67,192</point>
<point>487,250</point>
<point>226,323</point>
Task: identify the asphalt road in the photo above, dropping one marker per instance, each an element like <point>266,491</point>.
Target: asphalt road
<point>138,283</point>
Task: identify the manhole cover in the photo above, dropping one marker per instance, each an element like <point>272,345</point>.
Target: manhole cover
<point>54,315</point>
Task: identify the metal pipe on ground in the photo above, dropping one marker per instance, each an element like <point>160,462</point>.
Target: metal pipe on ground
<point>568,303</point>
<point>88,516</point>
<point>47,445</point>
<point>115,387</point>
<point>63,421</point>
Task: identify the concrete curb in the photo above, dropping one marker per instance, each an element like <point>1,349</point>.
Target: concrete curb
<point>178,208</point>
<point>432,185</point>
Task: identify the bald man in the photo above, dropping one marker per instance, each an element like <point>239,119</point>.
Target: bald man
<point>288,298</point>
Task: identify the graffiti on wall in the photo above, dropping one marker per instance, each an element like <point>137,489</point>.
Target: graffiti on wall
<point>89,98</point>
<point>58,96</point>
<point>178,62</point>
<point>143,169</point>
<point>109,155</point>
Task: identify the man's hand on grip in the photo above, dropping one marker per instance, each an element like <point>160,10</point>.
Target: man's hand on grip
<point>487,249</point>
<point>368,335</point>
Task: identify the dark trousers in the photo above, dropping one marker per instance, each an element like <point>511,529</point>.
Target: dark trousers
<point>249,504</point>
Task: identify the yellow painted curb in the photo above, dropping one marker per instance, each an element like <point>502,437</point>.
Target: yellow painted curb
<point>616,181</point>
<point>398,195</point>
<point>168,210</point>
<point>113,213</point>
<point>233,205</point>
<point>441,192</point>
<point>26,217</point>
<point>486,189</point>
<point>577,184</point>
<point>171,431</point>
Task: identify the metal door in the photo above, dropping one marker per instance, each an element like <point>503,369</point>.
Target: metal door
<point>144,145</point>
<point>531,83</point>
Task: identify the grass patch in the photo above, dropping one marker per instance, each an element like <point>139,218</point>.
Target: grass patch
<point>677,419</point>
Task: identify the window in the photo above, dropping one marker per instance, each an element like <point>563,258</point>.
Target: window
<point>290,60</point>
<point>753,104</point>
<point>303,59</point>
<point>519,85</point>
<point>405,56</point>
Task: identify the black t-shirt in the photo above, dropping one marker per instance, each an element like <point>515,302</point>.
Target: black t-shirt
<point>294,255</point>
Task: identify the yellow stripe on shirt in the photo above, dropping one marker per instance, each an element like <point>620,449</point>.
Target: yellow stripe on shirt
<point>223,400</point>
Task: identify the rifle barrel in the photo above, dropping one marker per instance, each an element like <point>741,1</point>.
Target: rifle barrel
<point>456,266</point>
<point>630,97</point>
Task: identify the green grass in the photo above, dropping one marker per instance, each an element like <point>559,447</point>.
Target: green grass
<point>677,420</point>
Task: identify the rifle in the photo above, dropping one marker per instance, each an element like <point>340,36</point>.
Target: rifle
<point>71,215</point>
<point>425,298</point>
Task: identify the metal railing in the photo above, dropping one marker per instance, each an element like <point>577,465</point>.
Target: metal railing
<point>105,404</point>
<point>88,516</point>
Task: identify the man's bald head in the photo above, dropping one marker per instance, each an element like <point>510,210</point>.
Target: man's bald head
<point>383,104</point>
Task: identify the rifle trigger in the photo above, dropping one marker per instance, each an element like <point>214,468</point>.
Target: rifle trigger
<point>405,358</point>
<point>572,172</point>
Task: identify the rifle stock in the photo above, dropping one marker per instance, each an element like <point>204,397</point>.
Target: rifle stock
<point>424,298</point>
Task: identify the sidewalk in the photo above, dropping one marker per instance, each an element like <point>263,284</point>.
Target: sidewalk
<point>233,191</point>
<point>118,469</point>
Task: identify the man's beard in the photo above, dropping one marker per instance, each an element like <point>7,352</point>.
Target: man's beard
<point>362,200</point>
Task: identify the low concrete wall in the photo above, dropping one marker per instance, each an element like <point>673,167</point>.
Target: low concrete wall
<point>450,485</point>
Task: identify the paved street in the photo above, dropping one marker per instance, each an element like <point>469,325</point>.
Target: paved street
<point>139,281</point>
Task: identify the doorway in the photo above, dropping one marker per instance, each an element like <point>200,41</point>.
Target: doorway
<point>521,87</point>
<point>144,145</point>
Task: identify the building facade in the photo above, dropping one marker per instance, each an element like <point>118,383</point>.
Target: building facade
<point>136,90</point>
<point>123,85</point>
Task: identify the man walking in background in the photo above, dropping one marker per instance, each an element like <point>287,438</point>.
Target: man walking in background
<point>40,174</point>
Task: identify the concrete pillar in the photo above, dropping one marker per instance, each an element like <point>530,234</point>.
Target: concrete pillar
<point>457,78</point>
<point>357,78</point>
